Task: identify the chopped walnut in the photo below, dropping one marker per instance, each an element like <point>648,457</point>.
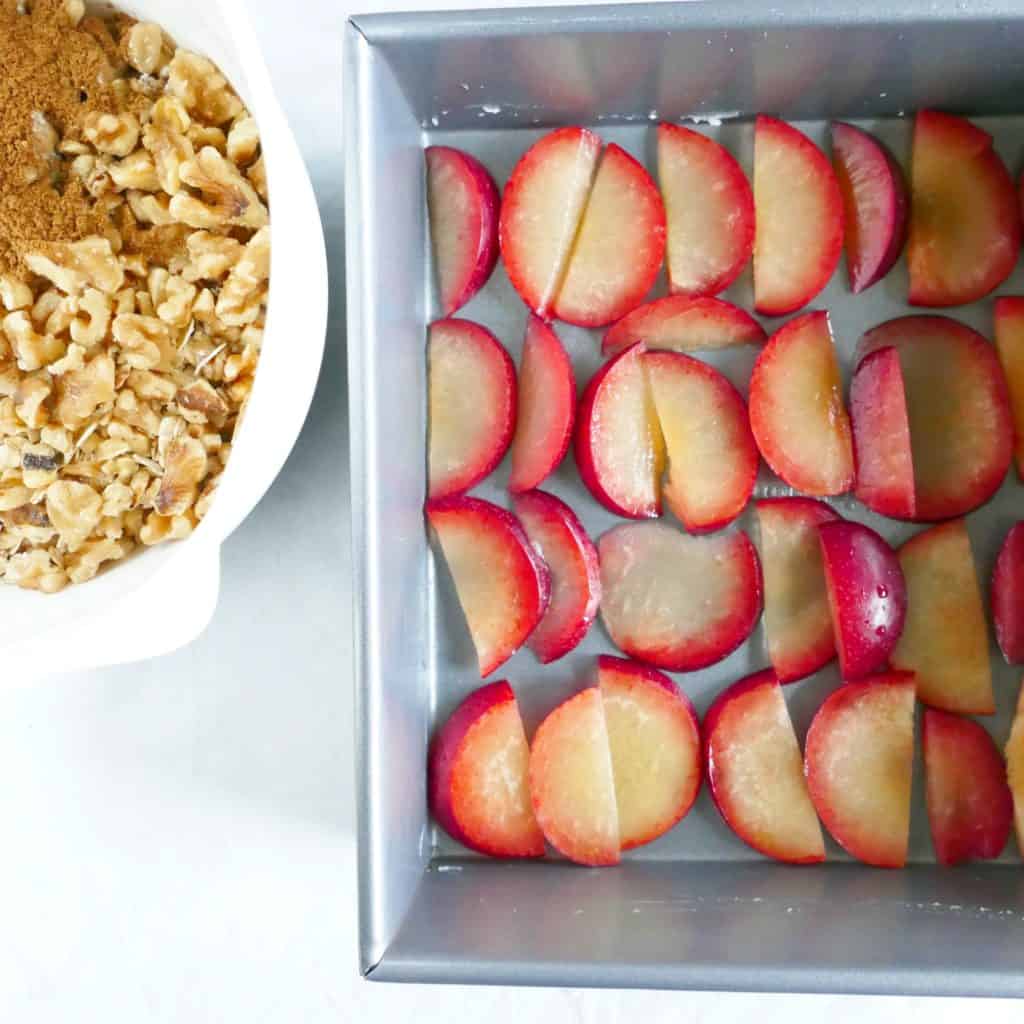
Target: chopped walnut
<point>145,341</point>
<point>35,570</point>
<point>81,392</point>
<point>137,171</point>
<point>29,523</point>
<point>74,509</point>
<point>40,464</point>
<point>144,47</point>
<point>244,292</point>
<point>91,555</point>
<point>158,528</point>
<point>243,142</point>
<point>227,197</point>
<point>92,318</point>
<point>73,265</point>
<point>202,88</point>
<point>29,399</point>
<point>257,174</point>
<point>169,150</point>
<point>15,294</point>
<point>75,10</point>
<point>212,256</point>
<point>201,135</point>
<point>114,134</point>
<point>151,209</point>
<point>184,464</point>
<point>200,403</point>
<point>32,350</point>
<point>174,301</point>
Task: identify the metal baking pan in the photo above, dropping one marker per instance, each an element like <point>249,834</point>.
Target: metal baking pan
<point>696,909</point>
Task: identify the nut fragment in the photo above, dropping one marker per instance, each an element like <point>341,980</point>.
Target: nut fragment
<point>73,265</point>
<point>184,468</point>
<point>81,392</point>
<point>169,150</point>
<point>243,142</point>
<point>40,464</point>
<point>115,134</point>
<point>15,294</point>
<point>202,400</point>
<point>75,10</point>
<point>145,340</point>
<point>92,318</point>
<point>227,197</point>
<point>136,171</point>
<point>32,350</point>
<point>74,509</point>
<point>211,256</point>
<point>29,397</point>
<point>144,47</point>
<point>91,557</point>
<point>202,88</point>
<point>35,570</point>
<point>244,291</point>
<point>257,174</point>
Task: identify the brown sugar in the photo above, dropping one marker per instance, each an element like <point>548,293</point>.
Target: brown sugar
<point>52,74</point>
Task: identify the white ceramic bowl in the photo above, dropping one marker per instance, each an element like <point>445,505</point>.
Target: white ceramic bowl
<point>162,598</point>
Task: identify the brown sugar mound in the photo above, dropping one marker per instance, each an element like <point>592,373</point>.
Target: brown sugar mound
<point>54,73</point>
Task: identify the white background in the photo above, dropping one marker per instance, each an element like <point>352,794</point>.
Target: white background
<point>177,839</point>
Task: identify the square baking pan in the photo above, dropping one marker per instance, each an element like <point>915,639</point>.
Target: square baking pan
<point>697,908</point>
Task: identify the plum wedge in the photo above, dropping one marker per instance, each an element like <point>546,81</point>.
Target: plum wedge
<point>654,737</point>
<point>970,807</point>
<point>620,452</point>
<point>875,204</point>
<point>799,218</point>
<point>1009,323</point>
<point>619,247</point>
<point>1007,595</point>
<point>682,324</point>
<point>859,756</point>
<point>503,585</point>
<point>961,429</point>
<point>571,558</point>
<point>964,217</point>
<point>882,448</point>
<point>945,637</point>
<point>478,776</point>
<point>709,207</point>
<point>571,781</point>
<point>678,602</point>
<point>797,616</point>
<point>867,595</point>
<point>1015,768</point>
<point>756,772</point>
<point>463,203</point>
<point>712,458</point>
<point>472,400</point>
<point>547,405</point>
<point>541,209</point>
<point>796,408</point>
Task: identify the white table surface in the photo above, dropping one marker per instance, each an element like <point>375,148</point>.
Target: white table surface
<point>179,836</point>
